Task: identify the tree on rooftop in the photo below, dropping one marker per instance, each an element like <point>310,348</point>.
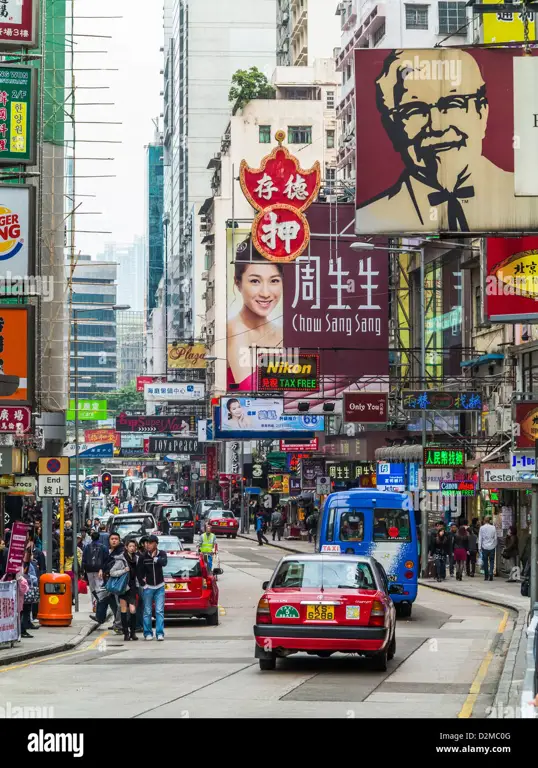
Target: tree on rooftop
<point>249,84</point>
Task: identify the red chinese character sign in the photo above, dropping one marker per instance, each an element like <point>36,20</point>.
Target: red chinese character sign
<point>18,23</point>
<point>281,191</point>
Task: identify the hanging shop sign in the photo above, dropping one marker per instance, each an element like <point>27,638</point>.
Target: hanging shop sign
<point>365,407</point>
<point>511,280</point>
<point>311,469</point>
<point>88,410</point>
<point>463,488</point>
<point>16,354</point>
<point>211,458</point>
<point>278,484</point>
<point>506,26</point>
<point>18,24</point>
<point>390,475</point>
<point>100,435</point>
<point>188,445</point>
<point>442,401</point>
<point>187,356</point>
<point>141,380</point>
<point>444,457</point>
<point>363,471</point>
<point>526,424</point>
<point>294,446</point>
<point>17,247</point>
<point>278,374</point>
<point>15,420</point>
<point>149,424</point>
<point>523,461</point>
<point>498,476</point>
<point>174,391</point>
<point>18,125</point>
<point>280,190</point>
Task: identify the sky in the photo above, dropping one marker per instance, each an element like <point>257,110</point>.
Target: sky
<point>132,99</point>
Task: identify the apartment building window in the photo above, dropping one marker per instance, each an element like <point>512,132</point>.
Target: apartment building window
<point>300,134</point>
<point>265,134</point>
<point>330,139</point>
<point>379,34</point>
<point>330,176</point>
<point>416,17</point>
<point>330,99</point>
<point>452,16</point>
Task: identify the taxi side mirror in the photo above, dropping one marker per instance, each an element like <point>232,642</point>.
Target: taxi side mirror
<point>218,571</point>
<point>265,585</point>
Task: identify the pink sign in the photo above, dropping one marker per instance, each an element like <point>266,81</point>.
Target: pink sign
<point>14,419</point>
<point>17,545</point>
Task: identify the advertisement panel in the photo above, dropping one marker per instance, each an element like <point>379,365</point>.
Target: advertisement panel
<point>390,476</point>
<point>18,124</point>
<point>366,407</point>
<point>278,374</point>
<point>150,424</point>
<point>187,445</point>
<point>17,250</point>
<point>511,289</point>
<point>9,613</point>
<point>17,546</point>
<point>19,24</point>
<point>15,419</point>
<point>493,476</point>
<point>186,356</point>
<point>141,380</point>
<point>298,316</point>
<point>278,484</point>
<point>441,401</point>
<point>505,26</point>
<point>459,177</point>
<point>17,345</point>
<point>291,446</point>
<point>249,414</point>
<point>311,469</point>
<point>526,420</point>
<point>174,391</point>
<point>100,435</point>
<point>88,410</point>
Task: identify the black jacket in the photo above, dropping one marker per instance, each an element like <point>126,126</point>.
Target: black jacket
<point>440,546</point>
<point>110,558</point>
<point>101,557</point>
<point>150,569</point>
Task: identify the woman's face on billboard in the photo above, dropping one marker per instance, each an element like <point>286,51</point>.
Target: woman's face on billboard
<point>261,288</point>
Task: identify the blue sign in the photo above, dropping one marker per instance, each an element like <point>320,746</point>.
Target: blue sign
<point>390,474</point>
<point>302,427</point>
<point>105,450</point>
<point>412,477</point>
<point>88,484</point>
<point>253,491</point>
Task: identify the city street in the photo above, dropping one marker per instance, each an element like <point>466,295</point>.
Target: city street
<point>451,644</point>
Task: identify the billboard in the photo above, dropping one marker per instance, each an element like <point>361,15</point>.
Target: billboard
<point>329,301</point>
<point>88,410</point>
<point>429,400</point>
<point>175,391</point>
<point>17,353</point>
<point>18,115</point>
<point>526,420</point>
<point>18,24</point>
<point>435,136</point>
<point>150,424</point>
<point>17,226</point>
<point>505,26</point>
<point>278,374</point>
<point>186,356</point>
<point>366,407</point>
<point>188,445</point>
<point>100,435</point>
<point>260,415</point>
<point>511,284</point>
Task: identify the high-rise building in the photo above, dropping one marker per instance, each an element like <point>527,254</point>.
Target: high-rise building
<point>206,42</point>
<point>388,24</point>
<point>130,333</point>
<point>130,260</point>
<point>154,223</point>
<point>306,30</point>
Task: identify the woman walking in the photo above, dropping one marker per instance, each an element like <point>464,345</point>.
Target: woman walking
<point>128,599</point>
<point>461,549</point>
<point>511,553</point>
<point>440,552</point>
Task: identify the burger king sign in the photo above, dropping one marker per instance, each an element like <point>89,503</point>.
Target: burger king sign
<point>16,231</point>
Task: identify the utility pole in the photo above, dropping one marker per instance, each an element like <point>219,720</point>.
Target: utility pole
<point>424,496</point>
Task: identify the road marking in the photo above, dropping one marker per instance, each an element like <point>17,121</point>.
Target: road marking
<point>467,709</point>
<point>222,611</point>
<point>91,647</point>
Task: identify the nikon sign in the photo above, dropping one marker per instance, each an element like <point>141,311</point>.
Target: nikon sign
<point>279,373</point>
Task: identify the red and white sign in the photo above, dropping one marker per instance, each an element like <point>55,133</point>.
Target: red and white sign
<point>15,420</point>
<point>365,407</point>
<point>211,456</point>
<point>17,546</point>
<point>141,380</point>
<point>18,23</point>
<point>281,191</point>
<point>287,447</point>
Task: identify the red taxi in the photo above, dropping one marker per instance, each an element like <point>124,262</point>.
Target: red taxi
<point>322,604</point>
<point>222,522</point>
<point>190,591</point>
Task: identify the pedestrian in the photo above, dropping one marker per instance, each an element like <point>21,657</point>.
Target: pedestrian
<point>142,549</point>
<point>511,553</point>
<point>452,533</point>
<point>260,522</point>
<point>31,596</point>
<point>165,524</point>
<point>108,599</point>
<point>487,544</point>
<point>434,533</point>
<point>129,506</point>
<point>472,551</point>
<point>312,525</point>
<point>93,562</point>
<point>439,551</point>
<point>128,598</point>
<point>37,558</point>
<point>460,550</point>
<point>151,578</point>
<point>276,524</point>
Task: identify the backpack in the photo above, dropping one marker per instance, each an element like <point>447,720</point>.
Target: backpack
<point>95,557</point>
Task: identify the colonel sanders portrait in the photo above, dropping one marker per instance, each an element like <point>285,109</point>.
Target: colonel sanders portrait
<point>434,108</point>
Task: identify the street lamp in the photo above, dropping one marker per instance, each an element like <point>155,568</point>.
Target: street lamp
<point>76,311</point>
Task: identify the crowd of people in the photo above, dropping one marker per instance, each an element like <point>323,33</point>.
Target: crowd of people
<point>462,545</point>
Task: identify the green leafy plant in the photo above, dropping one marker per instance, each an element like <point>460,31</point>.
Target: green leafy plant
<point>249,84</point>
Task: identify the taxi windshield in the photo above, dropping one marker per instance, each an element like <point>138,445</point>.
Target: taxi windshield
<point>182,568</point>
<point>392,525</point>
<point>338,574</point>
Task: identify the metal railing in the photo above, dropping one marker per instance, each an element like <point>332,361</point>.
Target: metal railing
<point>530,681</point>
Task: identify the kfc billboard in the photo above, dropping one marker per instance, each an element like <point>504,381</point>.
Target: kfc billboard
<point>511,290</point>
<point>435,141</point>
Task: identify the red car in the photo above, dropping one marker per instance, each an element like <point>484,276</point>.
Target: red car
<point>222,522</point>
<point>190,591</point>
<point>322,604</point>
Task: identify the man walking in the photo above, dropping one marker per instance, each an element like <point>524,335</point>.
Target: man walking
<point>151,578</point>
<point>487,544</point>
<point>106,599</point>
<point>451,536</point>
<point>260,522</point>
<point>93,561</point>
<point>473,551</point>
<point>276,524</point>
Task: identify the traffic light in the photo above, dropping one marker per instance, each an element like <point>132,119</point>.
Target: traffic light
<point>106,483</point>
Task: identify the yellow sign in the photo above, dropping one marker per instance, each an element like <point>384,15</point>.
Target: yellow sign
<point>505,26</point>
<point>6,481</point>
<point>17,142</point>
<point>53,600</point>
<point>186,356</point>
<point>53,465</point>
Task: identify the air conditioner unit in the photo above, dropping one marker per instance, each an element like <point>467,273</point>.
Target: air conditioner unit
<point>205,275</point>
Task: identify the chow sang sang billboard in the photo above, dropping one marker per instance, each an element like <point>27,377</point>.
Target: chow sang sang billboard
<point>327,302</point>
<point>435,137</point>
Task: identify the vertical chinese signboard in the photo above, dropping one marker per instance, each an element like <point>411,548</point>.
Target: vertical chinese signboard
<point>18,24</point>
<point>18,89</point>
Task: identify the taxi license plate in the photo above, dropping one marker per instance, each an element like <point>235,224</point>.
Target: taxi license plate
<point>223,522</point>
<point>176,587</point>
<point>320,612</point>
<point>176,525</point>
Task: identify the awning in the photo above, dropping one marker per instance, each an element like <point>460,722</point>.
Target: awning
<point>208,239</point>
<point>400,453</point>
<point>206,205</point>
<point>482,360</point>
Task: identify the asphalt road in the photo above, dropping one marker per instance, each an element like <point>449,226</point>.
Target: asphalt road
<point>450,644</point>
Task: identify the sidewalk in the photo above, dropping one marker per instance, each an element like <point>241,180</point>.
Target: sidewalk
<point>48,640</point>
